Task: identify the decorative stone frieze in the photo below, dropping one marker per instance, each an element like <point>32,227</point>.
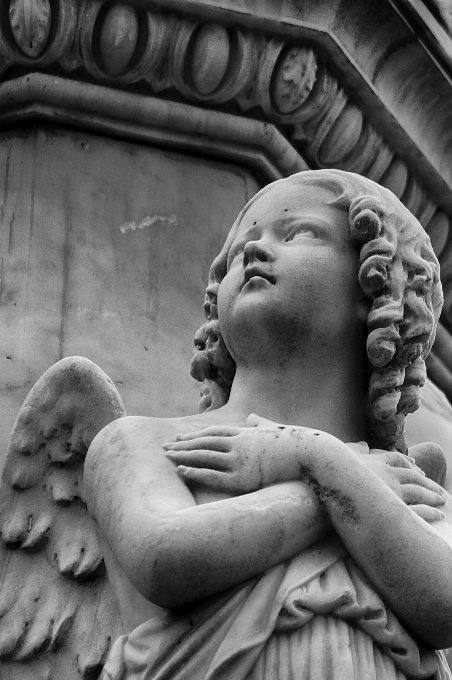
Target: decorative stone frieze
<point>30,24</point>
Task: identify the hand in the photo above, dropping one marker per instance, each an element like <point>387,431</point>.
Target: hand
<point>407,481</point>
<point>236,459</point>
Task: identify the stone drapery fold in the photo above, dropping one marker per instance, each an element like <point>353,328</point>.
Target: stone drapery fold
<point>315,614</point>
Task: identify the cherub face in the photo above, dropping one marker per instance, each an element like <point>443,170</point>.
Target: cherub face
<point>292,270</point>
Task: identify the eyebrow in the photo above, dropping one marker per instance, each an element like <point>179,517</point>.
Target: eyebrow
<point>248,234</point>
<point>306,220</point>
<point>289,221</point>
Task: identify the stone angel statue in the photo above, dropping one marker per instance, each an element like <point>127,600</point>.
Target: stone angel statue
<point>282,533</point>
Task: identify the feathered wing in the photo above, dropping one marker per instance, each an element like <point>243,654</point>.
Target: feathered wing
<point>57,611</point>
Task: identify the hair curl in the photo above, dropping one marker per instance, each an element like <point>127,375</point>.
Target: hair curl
<point>398,273</point>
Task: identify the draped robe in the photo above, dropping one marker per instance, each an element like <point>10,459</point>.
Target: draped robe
<point>314,617</point>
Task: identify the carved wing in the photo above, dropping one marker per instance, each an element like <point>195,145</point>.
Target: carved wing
<point>57,610</point>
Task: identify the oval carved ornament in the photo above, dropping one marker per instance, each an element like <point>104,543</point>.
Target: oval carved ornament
<point>30,24</point>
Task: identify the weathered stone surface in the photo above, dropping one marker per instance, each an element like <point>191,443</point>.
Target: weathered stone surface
<point>105,249</point>
<point>118,38</point>
<point>209,58</point>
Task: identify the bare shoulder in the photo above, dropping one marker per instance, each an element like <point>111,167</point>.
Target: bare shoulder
<point>129,453</point>
<point>153,432</point>
<point>134,430</point>
<point>129,439</point>
<point>126,471</point>
<point>127,459</point>
<point>138,431</point>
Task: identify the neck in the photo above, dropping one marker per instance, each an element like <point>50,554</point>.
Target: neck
<point>324,394</point>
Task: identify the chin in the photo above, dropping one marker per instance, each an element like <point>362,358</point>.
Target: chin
<point>259,326</point>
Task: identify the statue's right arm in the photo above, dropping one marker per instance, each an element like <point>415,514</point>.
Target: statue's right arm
<point>173,550</point>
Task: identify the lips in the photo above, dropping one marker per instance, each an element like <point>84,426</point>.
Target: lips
<point>251,272</point>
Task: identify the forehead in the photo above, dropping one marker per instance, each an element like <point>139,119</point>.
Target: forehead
<point>292,202</point>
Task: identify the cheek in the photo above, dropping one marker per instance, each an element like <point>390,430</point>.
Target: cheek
<point>341,274</point>
<point>227,293</point>
<point>225,296</point>
<point>334,290</point>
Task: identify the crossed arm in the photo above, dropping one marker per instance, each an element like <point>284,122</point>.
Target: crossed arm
<point>377,504</point>
<point>176,552</point>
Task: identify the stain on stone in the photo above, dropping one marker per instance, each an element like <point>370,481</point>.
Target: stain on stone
<point>147,221</point>
<point>339,501</point>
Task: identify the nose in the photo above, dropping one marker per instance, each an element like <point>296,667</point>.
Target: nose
<point>257,251</point>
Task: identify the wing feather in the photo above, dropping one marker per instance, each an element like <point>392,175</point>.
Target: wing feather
<point>57,611</point>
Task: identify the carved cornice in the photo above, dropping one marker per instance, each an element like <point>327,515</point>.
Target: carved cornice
<point>150,120</point>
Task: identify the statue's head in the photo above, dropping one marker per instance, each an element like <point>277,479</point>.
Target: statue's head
<point>343,229</point>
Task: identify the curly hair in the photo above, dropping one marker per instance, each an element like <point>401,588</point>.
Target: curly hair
<point>398,273</point>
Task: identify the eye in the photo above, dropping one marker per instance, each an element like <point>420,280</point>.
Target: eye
<point>300,232</point>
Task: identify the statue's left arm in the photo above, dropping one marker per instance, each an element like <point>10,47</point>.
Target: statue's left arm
<point>408,560</point>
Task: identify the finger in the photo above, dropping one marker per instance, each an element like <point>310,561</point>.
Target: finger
<point>201,459</point>
<point>212,431</point>
<point>396,459</point>
<point>412,494</point>
<point>414,467</point>
<point>211,478</point>
<point>212,443</point>
<point>427,513</point>
<point>416,477</point>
